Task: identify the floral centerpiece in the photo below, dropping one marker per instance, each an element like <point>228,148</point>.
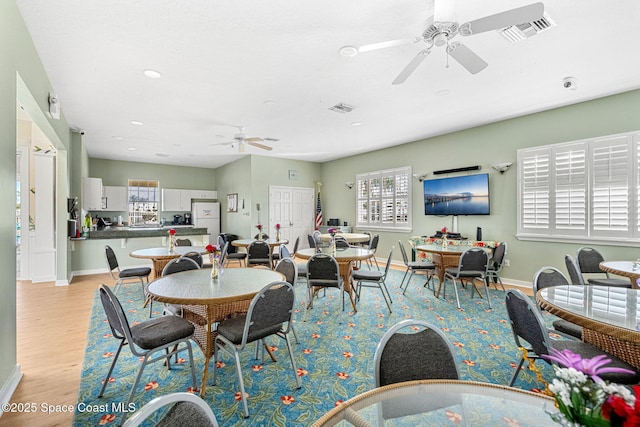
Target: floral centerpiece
<point>172,240</point>
<point>333,231</point>
<point>584,399</point>
<point>277,227</point>
<point>259,227</point>
<point>214,253</point>
<point>445,243</point>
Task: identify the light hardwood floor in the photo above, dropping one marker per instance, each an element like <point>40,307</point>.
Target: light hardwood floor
<point>52,332</point>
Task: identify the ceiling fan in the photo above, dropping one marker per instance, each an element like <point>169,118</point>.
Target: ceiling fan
<point>240,139</point>
<point>441,33</point>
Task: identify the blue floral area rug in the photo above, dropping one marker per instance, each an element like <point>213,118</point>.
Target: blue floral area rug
<point>334,356</point>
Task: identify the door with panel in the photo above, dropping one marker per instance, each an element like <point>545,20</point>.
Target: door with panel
<point>293,209</point>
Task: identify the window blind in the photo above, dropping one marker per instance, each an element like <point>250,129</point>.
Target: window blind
<point>383,199</point>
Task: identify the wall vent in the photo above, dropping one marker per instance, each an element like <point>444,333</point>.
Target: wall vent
<point>342,108</point>
<point>516,33</point>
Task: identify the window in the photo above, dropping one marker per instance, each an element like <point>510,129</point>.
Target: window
<point>143,197</point>
<point>574,191</point>
<point>384,199</point>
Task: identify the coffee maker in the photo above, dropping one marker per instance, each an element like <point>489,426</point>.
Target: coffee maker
<point>177,219</point>
<point>187,218</point>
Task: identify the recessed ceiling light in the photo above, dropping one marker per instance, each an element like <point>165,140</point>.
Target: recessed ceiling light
<point>119,138</point>
<point>348,51</point>
<point>356,123</point>
<point>443,92</point>
<point>269,103</point>
<point>131,148</point>
<point>163,155</point>
<point>136,123</point>
<point>152,74</point>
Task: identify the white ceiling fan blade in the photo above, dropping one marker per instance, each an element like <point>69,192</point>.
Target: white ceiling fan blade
<point>504,19</point>
<point>254,139</point>
<point>410,68</point>
<point>465,57</point>
<point>255,144</point>
<point>389,43</point>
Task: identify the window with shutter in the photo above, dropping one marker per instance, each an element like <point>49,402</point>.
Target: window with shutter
<point>384,199</point>
<point>581,190</point>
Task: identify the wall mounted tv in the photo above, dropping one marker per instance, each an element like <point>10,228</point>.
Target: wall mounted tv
<point>459,195</point>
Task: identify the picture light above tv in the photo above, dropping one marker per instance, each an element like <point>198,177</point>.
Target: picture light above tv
<point>458,195</point>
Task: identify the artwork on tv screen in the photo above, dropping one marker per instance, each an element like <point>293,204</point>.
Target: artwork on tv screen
<point>460,195</point>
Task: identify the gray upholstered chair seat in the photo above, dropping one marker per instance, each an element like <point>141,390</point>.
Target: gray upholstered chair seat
<point>159,331</point>
<point>454,271</point>
<point>567,328</point>
<point>421,265</point>
<point>620,283</point>
<point>135,272</point>
<point>185,414</point>
<point>367,275</point>
<point>233,329</point>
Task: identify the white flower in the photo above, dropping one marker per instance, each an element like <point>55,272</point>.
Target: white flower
<point>562,390</point>
<point>618,390</point>
<point>571,376</point>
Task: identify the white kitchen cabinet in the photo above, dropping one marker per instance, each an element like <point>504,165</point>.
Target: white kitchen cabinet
<point>175,200</point>
<point>115,198</point>
<point>92,194</point>
<point>204,194</point>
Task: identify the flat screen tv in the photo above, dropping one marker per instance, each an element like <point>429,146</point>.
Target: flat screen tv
<point>459,195</point>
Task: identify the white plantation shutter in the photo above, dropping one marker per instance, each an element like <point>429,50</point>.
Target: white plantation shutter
<point>612,167</point>
<point>535,189</point>
<point>581,190</point>
<point>384,199</point>
<point>571,188</point>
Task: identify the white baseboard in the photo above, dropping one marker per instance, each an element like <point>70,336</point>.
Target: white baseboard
<point>10,386</point>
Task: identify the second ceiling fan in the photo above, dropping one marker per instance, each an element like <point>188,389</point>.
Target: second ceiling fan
<point>441,33</point>
<point>241,139</point>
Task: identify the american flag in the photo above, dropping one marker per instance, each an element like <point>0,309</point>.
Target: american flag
<point>318,212</point>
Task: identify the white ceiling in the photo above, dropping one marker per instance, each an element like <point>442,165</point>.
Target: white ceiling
<point>275,67</point>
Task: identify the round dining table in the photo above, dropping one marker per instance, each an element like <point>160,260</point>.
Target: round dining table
<point>443,258</point>
<point>609,316</point>
<point>244,243</point>
<point>442,403</point>
<point>630,269</point>
<point>160,256</point>
<point>345,257</point>
<point>206,302</point>
<point>349,237</point>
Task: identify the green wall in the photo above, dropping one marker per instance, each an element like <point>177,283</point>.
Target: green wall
<point>484,146</point>
<point>22,77</point>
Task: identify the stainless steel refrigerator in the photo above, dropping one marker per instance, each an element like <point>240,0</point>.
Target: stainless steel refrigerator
<point>207,215</point>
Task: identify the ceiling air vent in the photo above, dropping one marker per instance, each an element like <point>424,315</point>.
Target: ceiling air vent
<point>516,33</point>
<point>342,108</point>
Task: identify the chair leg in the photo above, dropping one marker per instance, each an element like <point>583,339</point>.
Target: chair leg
<point>383,288</point>
<point>486,289</point>
<point>515,374</point>
<point>403,277</point>
<point>293,361</point>
<point>113,364</point>
<point>242,393</point>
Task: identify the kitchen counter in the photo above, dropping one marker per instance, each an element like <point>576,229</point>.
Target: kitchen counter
<point>115,232</point>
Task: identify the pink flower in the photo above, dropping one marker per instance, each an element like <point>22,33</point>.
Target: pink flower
<point>172,232</point>
<point>444,230</point>
<point>212,248</point>
<point>259,226</point>
<point>332,231</point>
<point>592,367</point>
<point>277,226</point>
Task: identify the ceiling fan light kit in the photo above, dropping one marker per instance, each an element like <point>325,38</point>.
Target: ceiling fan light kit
<point>440,34</point>
<point>240,139</point>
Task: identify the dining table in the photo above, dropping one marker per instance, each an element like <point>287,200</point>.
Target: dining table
<point>609,316</point>
<point>161,255</point>
<point>630,269</point>
<point>443,258</point>
<point>351,238</point>
<point>345,258</point>
<point>206,302</point>
<point>443,403</point>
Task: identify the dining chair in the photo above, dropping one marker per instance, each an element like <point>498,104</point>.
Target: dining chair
<point>531,334</point>
<point>373,246</point>
<point>259,253</point>
<point>414,267</point>
<point>588,261</point>
<point>495,265</point>
<point>312,241</point>
<point>196,256</point>
<point>374,279</point>
<point>414,350</point>
<point>187,410</point>
<point>341,242</point>
<point>323,272</point>
<point>149,341</point>
<point>183,242</point>
<point>289,270</point>
<point>138,274</point>
<point>177,265</point>
<point>240,257</point>
<point>281,253</point>
<point>472,267</point>
<point>547,277</point>
<point>269,314</point>
<point>572,269</point>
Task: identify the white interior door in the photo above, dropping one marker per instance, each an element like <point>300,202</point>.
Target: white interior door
<point>293,209</point>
